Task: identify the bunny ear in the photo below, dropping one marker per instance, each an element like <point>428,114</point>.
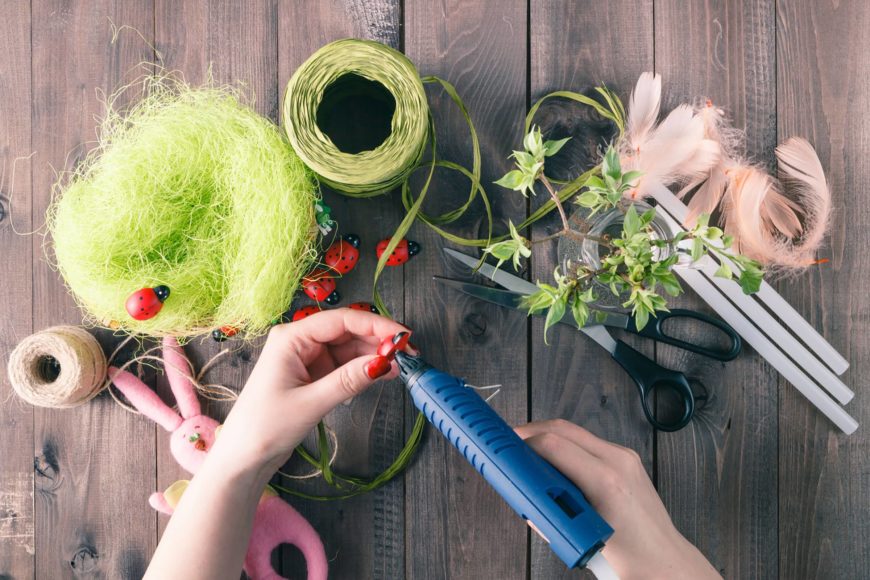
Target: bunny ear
<point>145,399</point>
<point>178,372</point>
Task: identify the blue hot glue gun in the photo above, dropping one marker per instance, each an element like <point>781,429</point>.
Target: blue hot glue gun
<point>540,494</point>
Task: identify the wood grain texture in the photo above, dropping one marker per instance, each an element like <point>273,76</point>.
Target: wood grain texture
<point>457,526</point>
<point>364,536</point>
<point>574,46</point>
<point>16,297</point>
<point>823,53</point>
<point>87,524</point>
<point>717,475</point>
<point>232,43</point>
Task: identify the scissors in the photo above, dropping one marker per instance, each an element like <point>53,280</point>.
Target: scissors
<point>649,376</point>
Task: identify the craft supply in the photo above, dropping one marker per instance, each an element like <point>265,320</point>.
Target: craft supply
<point>761,317</point>
<point>320,287</point>
<point>401,253</point>
<point>223,333</point>
<point>647,375</point>
<point>190,189</point>
<point>342,256</point>
<point>347,82</point>
<point>60,367</point>
<point>535,490</point>
<point>701,284</point>
<point>147,302</point>
<point>193,434</point>
<point>779,223</point>
<point>304,312</point>
<point>360,70</point>
<point>364,306</point>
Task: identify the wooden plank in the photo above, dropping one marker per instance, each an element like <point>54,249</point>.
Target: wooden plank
<point>575,46</point>
<point>457,526</point>
<point>16,299</point>
<point>823,53</point>
<point>232,43</point>
<point>91,516</point>
<point>717,475</point>
<point>364,535</point>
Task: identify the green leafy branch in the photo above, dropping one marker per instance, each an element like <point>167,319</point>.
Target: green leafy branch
<point>638,265</point>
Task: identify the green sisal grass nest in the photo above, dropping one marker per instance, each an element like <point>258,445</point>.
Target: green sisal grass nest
<point>191,189</point>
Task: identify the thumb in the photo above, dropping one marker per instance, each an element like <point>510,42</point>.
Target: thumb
<point>345,382</point>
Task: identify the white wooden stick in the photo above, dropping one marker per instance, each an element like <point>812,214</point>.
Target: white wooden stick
<point>785,311</point>
<point>738,320</point>
<point>764,321</point>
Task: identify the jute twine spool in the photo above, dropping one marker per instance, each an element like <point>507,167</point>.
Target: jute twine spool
<point>60,367</point>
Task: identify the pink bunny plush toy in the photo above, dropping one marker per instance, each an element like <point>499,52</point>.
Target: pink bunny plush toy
<point>193,434</point>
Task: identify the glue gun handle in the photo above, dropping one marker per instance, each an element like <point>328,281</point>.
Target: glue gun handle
<point>531,486</point>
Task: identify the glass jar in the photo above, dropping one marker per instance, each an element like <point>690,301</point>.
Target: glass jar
<point>590,252</point>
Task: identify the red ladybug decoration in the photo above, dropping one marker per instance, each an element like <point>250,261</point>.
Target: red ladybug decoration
<point>147,302</point>
<point>320,287</point>
<point>342,255</point>
<point>390,346</point>
<point>304,312</point>
<point>224,332</point>
<point>403,252</point>
<point>365,306</point>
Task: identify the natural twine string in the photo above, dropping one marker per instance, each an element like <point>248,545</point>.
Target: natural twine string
<point>60,367</point>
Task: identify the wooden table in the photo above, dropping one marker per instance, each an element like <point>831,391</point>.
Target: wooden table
<point>760,481</point>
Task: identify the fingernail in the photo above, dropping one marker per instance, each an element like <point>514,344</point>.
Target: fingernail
<point>377,367</point>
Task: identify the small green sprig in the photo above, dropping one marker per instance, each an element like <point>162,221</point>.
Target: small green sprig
<point>710,239</point>
<point>514,248</point>
<point>572,290</point>
<point>608,190</point>
<point>530,162</point>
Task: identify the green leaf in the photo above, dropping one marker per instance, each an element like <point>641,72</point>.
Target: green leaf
<point>648,216</point>
<point>557,311</point>
<point>596,182</point>
<point>588,199</point>
<point>580,310</point>
<point>631,177</point>
<point>511,179</point>
<point>697,249</point>
<point>641,316</point>
<point>553,147</point>
<point>632,224</point>
<point>670,283</point>
<point>610,167</point>
<point>750,280</point>
<point>724,271</point>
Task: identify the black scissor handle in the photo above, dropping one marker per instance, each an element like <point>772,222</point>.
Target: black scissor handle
<point>654,330</point>
<point>651,377</point>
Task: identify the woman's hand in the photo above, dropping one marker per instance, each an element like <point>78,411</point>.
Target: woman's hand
<point>305,370</point>
<point>645,543</point>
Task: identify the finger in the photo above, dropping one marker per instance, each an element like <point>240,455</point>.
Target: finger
<point>590,474</point>
<point>573,433</point>
<point>323,364</point>
<point>345,382</point>
<point>333,325</point>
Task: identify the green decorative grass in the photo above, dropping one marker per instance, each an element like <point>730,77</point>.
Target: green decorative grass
<point>192,189</point>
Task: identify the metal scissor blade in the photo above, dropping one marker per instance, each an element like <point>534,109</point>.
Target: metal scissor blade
<point>504,298</point>
<point>508,299</point>
<point>500,277</point>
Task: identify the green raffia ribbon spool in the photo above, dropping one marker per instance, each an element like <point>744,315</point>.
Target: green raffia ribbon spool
<point>358,69</point>
<point>353,69</point>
